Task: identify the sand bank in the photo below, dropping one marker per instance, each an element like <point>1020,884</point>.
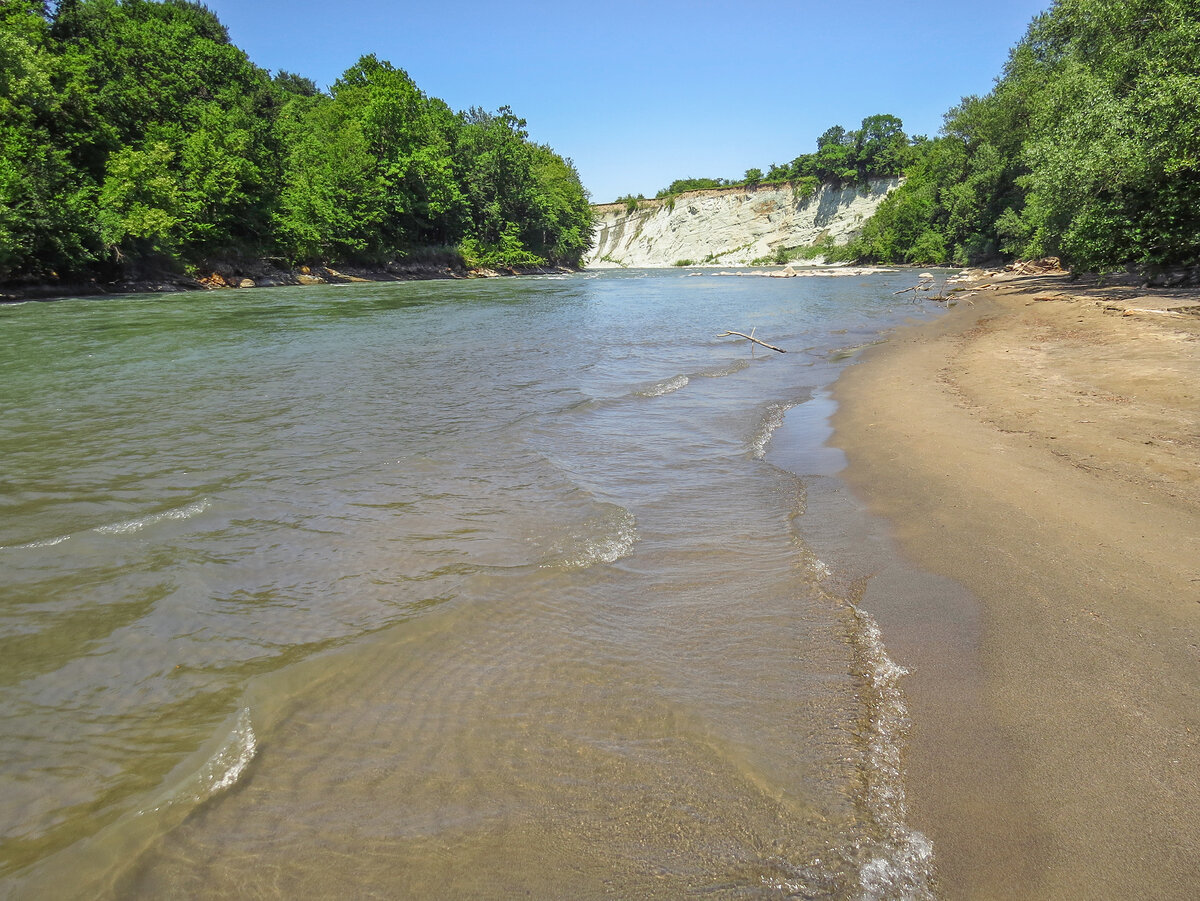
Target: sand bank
<point>1040,447</point>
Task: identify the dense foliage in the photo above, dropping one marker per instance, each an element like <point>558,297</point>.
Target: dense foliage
<point>1088,148</point>
<point>692,184</point>
<point>133,131</point>
<point>877,149</point>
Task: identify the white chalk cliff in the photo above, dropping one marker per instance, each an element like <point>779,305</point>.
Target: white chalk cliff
<point>729,226</point>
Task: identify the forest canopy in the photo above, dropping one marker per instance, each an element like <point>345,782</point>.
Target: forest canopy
<point>1088,148</point>
<point>134,132</point>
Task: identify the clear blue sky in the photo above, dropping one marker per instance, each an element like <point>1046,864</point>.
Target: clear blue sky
<point>641,93</point>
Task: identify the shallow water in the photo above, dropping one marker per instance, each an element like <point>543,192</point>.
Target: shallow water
<point>441,588</point>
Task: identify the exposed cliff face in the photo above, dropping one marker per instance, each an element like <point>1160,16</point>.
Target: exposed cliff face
<point>730,226</point>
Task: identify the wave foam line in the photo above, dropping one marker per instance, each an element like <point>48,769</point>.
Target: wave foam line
<point>219,772</point>
<point>45,542</point>
<point>721,371</point>
<point>772,420</point>
<point>225,767</point>
<point>664,387</point>
<point>606,539</point>
<point>900,868</point>
<point>136,525</point>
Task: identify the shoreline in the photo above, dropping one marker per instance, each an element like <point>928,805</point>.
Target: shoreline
<point>263,274</point>
<point>1038,450</point>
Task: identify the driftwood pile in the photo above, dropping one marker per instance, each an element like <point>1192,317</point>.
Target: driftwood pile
<point>1035,267</point>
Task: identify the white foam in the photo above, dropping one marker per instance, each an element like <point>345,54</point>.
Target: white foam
<point>665,387</point>
<point>127,527</point>
<point>46,542</point>
<point>221,771</point>
<point>900,867</point>
<point>603,539</point>
<point>136,525</point>
<point>771,421</point>
<point>903,875</point>
<point>225,767</point>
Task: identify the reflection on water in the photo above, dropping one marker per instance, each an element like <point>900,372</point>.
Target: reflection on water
<point>437,589</point>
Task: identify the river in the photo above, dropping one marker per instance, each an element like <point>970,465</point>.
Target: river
<point>441,589</point>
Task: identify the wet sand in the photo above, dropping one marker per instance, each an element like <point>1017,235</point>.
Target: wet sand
<point>1039,447</point>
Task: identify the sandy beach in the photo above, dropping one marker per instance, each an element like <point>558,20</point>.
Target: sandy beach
<point>1039,446</point>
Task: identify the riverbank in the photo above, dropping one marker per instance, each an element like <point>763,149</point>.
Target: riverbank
<point>264,274</point>
<point>1040,446</point>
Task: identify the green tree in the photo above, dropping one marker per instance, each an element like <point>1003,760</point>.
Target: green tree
<point>134,131</point>
<point>47,207</point>
<point>410,136</point>
<point>1088,148</point>
<point>880,147</point>
<point>295,84</point>
<point>562,228</point>
<point>835,157</point>
<point>332,202</point>
<point>778,173</point>
<point>164,96</point>
<point>496,164</point>
<point>1114,150</point>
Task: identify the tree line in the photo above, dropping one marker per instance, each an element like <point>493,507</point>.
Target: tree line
<point>133,132</point>
<point>879,148</point>
<point>1087,148</point>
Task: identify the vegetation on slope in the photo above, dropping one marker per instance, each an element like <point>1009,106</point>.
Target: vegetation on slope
<point>877,149</point>
<point>133,132</point>
<point>1088,148</point>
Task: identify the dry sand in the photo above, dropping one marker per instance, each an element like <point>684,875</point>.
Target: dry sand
<point>1040,446</point>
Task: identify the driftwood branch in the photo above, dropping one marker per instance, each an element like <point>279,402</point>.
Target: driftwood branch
<point>926,284</point>
<point>751,337</point>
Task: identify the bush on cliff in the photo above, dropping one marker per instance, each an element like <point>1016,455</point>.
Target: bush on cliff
<point>879,148</point>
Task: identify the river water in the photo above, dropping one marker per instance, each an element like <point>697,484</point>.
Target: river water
<point>441,589</point>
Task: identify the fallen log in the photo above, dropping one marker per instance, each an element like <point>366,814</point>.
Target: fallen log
<point>751,337</point>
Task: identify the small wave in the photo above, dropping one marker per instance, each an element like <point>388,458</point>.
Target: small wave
<point>664,387</point>
<point>601,539</point>
<point>225,767</point>
<point>721,371</point>
<point>900,866</point>
<point>221,771</point>
<point>45,542</point>
<point>136,525</point>
<point>121,528</point>
<point>772,419</point>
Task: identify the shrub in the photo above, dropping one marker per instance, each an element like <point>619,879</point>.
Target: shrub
<point>632,202</point>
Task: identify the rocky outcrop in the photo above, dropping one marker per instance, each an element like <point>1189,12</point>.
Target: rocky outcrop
<point>730,226</point>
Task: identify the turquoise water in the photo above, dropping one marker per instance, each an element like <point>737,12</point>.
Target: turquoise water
<point>442,588</point>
